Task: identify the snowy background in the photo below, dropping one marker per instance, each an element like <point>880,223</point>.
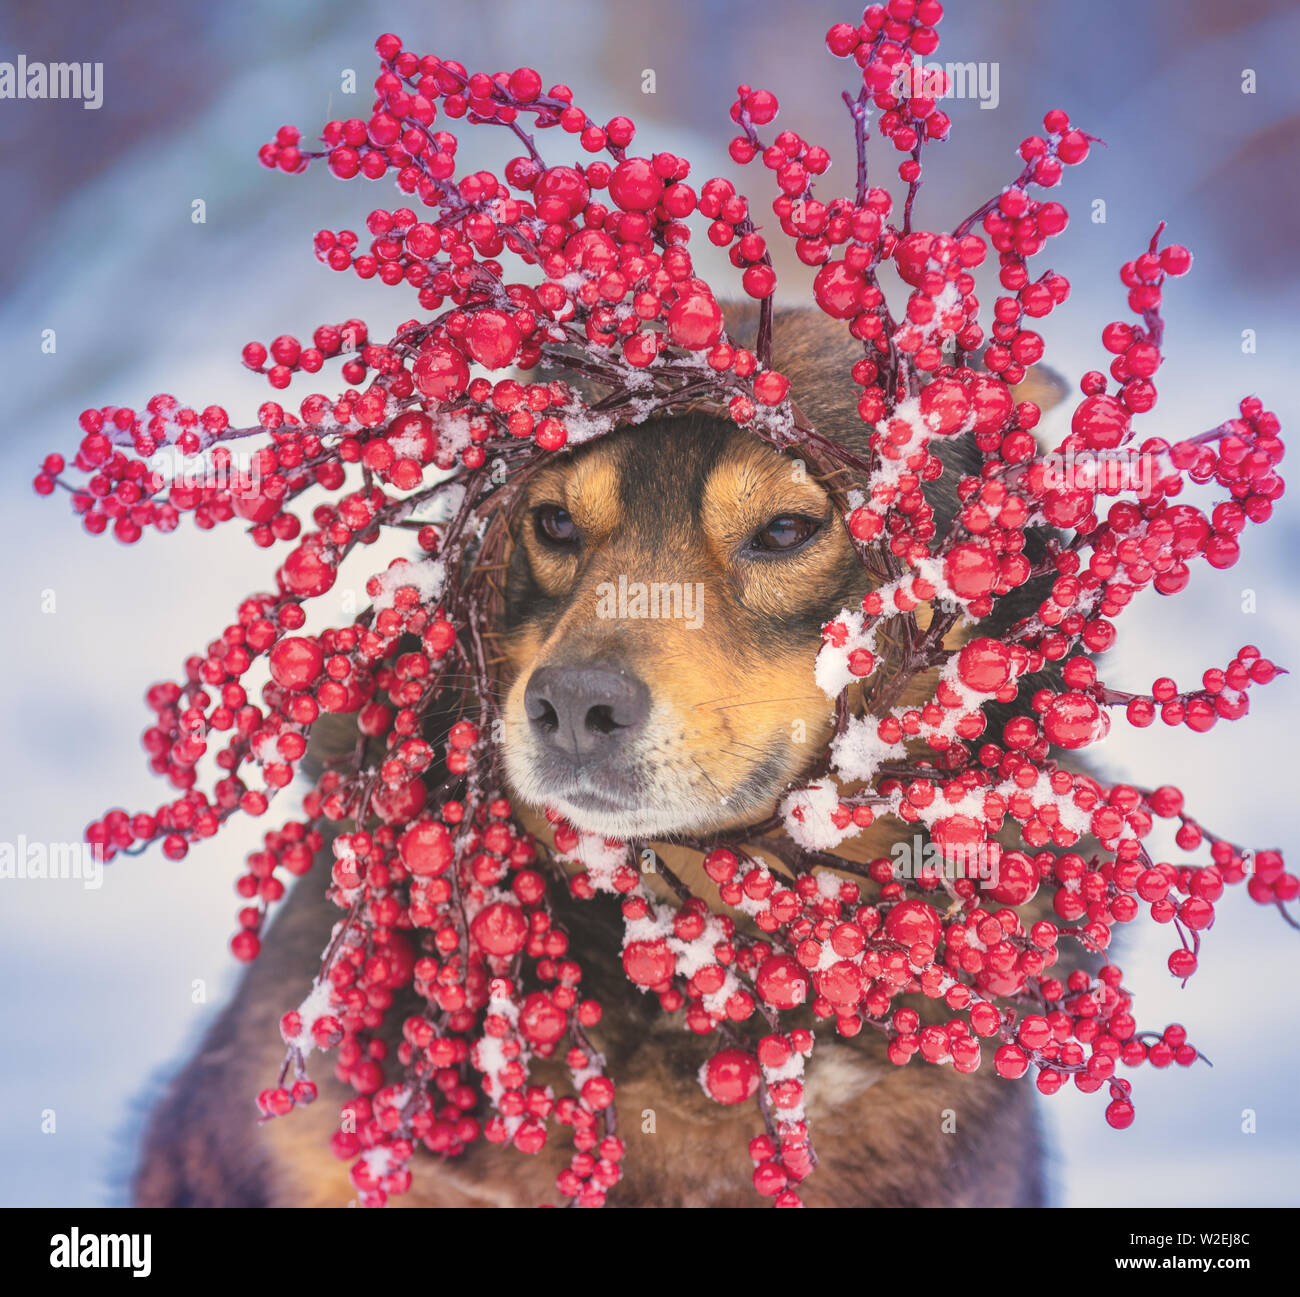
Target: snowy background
<point>100,247</point>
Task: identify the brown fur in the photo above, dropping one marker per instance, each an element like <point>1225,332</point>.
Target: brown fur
<point>665,503</point>
<point>878,1128</point>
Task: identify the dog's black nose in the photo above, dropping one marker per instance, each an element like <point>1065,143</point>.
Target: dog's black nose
<point>585,711</point>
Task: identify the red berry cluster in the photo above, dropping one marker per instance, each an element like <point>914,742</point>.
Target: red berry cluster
<point>447,900</point>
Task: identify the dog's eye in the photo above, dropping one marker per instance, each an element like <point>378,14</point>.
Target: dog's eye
<point>785,533</point>
<point>555,526</point>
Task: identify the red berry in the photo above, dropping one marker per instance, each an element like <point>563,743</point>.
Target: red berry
<point>911,922</point>
<point>695,321</point>
<point>441,372</point>
<point>426,849</point>
<point>782,982</point>
<point>296,662</point>
<point>635,185</point>
<point>491,338</point>
<point>500,929</point>
<point>731,1076</point>
<point>1074,720</point>
<point>648,963</point>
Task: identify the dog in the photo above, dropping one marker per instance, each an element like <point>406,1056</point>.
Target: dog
<point>664,597</point>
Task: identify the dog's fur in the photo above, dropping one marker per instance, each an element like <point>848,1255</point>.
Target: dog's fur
<point>676,501</point>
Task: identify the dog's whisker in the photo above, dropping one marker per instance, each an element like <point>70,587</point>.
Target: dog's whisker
<point>757,702</point>
<point>469,679</point>
<point>746,747</point>
<point>709,702</point>
<point>736,745</point>
<point>709,777</point>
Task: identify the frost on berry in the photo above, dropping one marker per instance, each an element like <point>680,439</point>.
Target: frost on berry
<point>582,269</point>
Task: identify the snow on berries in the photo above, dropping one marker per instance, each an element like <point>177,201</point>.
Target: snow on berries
<point>582,268</point>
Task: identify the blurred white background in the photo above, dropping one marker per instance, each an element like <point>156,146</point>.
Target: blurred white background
<point>99,244</point>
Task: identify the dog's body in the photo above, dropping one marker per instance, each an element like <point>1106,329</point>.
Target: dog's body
<point>650,729</point>
<point>886,1136</point>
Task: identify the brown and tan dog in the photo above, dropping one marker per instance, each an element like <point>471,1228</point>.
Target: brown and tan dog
<point>651,728</point>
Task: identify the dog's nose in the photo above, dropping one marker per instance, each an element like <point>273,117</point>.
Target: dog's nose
<point>585,711</point>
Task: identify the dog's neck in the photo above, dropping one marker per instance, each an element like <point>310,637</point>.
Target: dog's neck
<point>685,863</point>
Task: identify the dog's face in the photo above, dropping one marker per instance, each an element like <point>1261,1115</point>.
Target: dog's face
<point>664,603</point>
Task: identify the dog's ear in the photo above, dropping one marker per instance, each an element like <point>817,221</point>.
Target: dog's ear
<point>816,354</point>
